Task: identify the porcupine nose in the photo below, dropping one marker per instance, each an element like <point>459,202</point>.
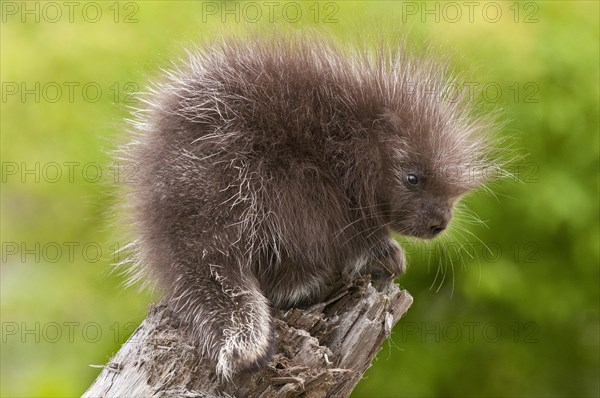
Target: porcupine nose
<point>439,222</point>
<point>437,228</point>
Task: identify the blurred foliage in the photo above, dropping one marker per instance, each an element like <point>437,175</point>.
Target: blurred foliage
<point>509,308</point>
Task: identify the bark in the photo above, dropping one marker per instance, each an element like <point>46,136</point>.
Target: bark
<point>322,351</point>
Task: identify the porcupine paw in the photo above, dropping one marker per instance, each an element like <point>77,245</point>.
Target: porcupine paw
<point>246,348</point>
<point>389,261</point>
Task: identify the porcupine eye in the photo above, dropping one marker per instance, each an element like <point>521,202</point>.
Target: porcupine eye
<point>412,179</point>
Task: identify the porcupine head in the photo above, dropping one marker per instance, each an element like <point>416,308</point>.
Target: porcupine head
<point>266,166</point>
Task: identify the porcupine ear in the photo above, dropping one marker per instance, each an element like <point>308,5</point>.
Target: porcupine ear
<point>392,140</point>
<point>391,121</point>
<point>390,117</point>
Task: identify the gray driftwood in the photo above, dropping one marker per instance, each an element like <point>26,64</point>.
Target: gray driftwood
<point>322,351</point>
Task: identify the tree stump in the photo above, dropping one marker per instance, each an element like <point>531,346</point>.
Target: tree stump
<point>322,351</point>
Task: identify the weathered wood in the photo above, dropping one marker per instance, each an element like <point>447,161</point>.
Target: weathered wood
<point>322,351</point>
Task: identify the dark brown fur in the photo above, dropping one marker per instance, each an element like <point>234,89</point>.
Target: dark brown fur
<point>270,166</point>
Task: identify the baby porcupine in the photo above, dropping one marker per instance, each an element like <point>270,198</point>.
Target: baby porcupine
<point>268,166</point>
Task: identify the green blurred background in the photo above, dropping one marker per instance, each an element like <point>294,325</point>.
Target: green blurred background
<point>517,319</point>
